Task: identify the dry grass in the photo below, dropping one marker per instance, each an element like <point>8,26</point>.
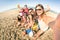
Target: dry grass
<point>8,30</point>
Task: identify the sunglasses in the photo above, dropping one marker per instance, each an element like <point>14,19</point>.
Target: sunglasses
<point>39,9</point>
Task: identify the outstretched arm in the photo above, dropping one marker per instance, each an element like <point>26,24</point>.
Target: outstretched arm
<point>37,34</point>
<point>56,28</point>
<point>18,6</point>
<point>47,8</point>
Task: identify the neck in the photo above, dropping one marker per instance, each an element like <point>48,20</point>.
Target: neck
<point>39,17</point>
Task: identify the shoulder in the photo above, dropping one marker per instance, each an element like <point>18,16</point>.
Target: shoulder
<point>47,19</point>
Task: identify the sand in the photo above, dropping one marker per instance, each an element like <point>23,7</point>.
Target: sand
<point>8,30</point>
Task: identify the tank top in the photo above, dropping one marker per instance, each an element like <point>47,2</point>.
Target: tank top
<point>42,25</point>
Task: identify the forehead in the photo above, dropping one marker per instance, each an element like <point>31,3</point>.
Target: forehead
<point>38,7</point>
<point>30,10</point>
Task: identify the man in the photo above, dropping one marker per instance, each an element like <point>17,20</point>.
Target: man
<point>26,9</point>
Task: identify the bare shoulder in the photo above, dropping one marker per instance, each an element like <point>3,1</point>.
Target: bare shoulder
<point>47,19</point>
<point>55,23</point>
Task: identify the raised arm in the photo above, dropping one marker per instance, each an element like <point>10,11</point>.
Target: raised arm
<point>47,8</point>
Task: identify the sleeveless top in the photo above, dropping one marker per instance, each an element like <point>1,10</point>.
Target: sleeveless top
<point>42,25</point>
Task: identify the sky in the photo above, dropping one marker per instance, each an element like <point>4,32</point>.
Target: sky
<point>10,4</point>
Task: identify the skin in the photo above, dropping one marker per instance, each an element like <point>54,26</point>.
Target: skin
<point>18,6</point>
<point>56,28</point>
<point>55,25</point>
<point>30,17</point>
<point>49,19</point>
<point>39,12</point>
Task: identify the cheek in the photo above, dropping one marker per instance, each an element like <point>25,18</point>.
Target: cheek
<point>39,12</point>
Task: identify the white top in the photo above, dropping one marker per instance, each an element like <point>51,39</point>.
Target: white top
<point>30,34</point>
<point>42,25</point>
<point>20,14</point>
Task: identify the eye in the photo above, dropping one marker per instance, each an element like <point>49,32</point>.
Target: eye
<point>38,9</point>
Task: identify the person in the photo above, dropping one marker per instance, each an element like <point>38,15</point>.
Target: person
<point>35,27</point>
<point>55,25</point>
<point>18,20</point>
<point>18,6</point>
<point>31,11</point>
<point>25,10</point>
<point>31,16</point>
<point>20,10</point>
<point>20,15</point>
<point>42,22</point>
<point>28,30</point>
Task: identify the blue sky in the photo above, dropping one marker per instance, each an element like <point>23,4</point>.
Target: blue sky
<point>10,4</point>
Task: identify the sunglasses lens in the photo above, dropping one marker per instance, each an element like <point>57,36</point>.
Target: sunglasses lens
<point>38,9</point>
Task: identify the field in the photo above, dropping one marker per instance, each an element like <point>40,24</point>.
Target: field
<point>8,30</point>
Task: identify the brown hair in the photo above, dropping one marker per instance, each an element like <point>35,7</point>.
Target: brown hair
<point>41,7</point>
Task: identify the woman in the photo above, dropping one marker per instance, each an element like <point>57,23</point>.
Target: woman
<point>43,20</point>
<point>28,30</point>
<point>31,16</point>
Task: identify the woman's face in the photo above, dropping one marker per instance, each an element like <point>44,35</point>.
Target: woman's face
<point>39,10</point>
<point>31,12</point>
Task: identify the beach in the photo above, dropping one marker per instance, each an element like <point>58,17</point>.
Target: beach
<point>8,30</point>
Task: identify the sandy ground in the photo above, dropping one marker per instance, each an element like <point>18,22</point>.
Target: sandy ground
<point>8,30</point>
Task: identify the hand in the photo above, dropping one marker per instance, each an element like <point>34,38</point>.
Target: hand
<point>47,8</point>
<point>18,6</point>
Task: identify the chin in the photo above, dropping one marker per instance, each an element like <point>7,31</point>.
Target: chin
<point>39,14</point>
